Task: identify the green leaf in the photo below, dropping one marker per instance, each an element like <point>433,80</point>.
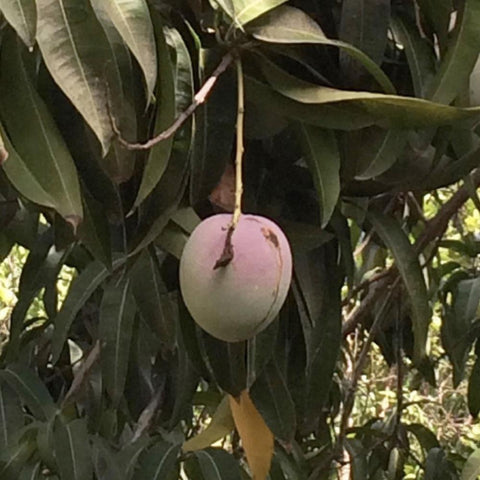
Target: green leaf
<point>244,11</point>
<point>158,462</point>
<point>226,361</point>
<point>214,130</point>
<point>289,25</point>
<point>363,24</point>
<point>132,20</point>
<point>379,150</point>
<point>79,60</point>
<point>407,263</point>
<point>217,464</point>
<point>151,297</point>
<point>420,56</point>
<point>158,157</point>
<point>80,291</point>
<point>30,472</point>
<point>471,469</point>
<point>384,110</point>
<point>323,160</point>
<point>270,395</point>
<point>72,450</point>
<point>117,313</point>
<point>220,426</point>
<point>426,437</point>
<point>457,324</point>
<point>11,415</point>
<point>30,389</point>
<point>119,163</point>
<point>22,16</point>
<point>461,56</point>
<point>13,459</point>
<point>94,231</point>
<point>53,182</point>
<point>474,386</point>
<point>437,467</point>
<point>437,13</point>
<point>105,461</point>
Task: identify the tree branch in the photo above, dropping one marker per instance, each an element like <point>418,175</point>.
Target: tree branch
<point>199,98</point>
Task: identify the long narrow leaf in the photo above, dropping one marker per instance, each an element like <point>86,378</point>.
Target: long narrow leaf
<point>53,181</point>
<point>407,263</point>
<point>132,20</point>
<point>79,60</point>
<point>117,313</point>
<point>22,16</point>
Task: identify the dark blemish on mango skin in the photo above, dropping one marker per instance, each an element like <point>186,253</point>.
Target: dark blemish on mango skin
<point>270,236</point>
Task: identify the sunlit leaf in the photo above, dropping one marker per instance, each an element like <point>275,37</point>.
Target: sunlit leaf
<point>244,11</point>
<point>219,427</point>
<point>257,439</point>
<point>52,182</point>
<point>384,110</point>
<point>289,25</point>
<point>471,469</point>
<point>22,16</point>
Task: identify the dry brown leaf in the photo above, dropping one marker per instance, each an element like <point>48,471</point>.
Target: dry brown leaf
<point>257,439</point>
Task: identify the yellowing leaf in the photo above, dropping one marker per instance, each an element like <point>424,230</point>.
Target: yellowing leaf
<point>220,426</point>
<point>257,439</point>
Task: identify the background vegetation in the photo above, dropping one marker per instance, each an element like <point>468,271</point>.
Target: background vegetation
<point>361,141</point>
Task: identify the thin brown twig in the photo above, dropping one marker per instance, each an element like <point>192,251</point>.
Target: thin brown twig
<point>199,98</point>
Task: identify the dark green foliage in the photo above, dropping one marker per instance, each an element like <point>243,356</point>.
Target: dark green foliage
<point>357,113</point>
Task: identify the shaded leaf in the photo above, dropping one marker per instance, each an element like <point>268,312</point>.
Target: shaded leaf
<point>420,56</point>
<point>270,395</point>
<point>132,20</point>
<point>474,386</point>
<point>79,60</point>
<point>426,437</point>
<point>30,472</point>
<point>11,415</point>
<point>151,297</point>
<point>219,427</point>
<point>257,439</point>
<point>22,16</point>
<point>72,450</point>
<point>290,25</point>
<point>52,182</point>
<point>363,24</point>
<point>323,160</point>
<point>214,130</point>
<point>13,459</point>
<point>457,324</point>
<point>437,467</point>
<point>30,389</point>
<point>159,462</point>
<point>117,313</point>
<point>407,263</point>
<point>158,157</point>
<point>461,56</point>
<point>80,291</point>
<point>217,464</point>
